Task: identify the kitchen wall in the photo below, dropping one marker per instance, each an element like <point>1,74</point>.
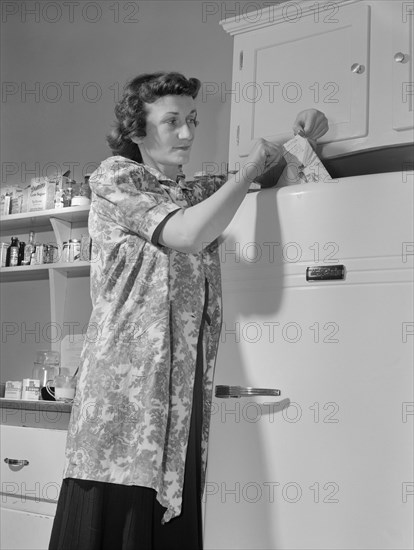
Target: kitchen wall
<point>61,78</point>
<point>63,65</point>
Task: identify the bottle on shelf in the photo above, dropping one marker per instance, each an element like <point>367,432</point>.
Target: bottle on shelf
<point>38,258</point>
<point>20,258</point>
<point>6,205</point>
<point>12,257</point>
<point>85,188</point>
<point>3,254</point>
<point>68,194</point>
<point>29,249</point>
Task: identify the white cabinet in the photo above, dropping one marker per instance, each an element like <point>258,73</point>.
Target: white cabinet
<point>24,531</point>
<point>339,57</point>
<point>328,464</point>
<point>402,64</point>
<point>31,476</point>
<point>64,224</point>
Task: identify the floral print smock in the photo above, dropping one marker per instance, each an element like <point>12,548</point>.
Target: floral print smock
<point>131,415</point>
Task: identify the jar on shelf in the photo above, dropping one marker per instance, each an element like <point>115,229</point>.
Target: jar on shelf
<point>46,368</point>
<point>83,196</point>
<point>52,254</point>
<point>65,252</point>
<point>74,250</point>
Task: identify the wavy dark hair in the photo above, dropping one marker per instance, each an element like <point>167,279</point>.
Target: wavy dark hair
<point>131,115</point>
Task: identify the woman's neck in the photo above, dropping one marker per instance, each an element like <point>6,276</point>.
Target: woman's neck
<point>169,170</point>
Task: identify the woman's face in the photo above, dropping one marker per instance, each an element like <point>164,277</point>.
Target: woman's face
<point>171,122</point>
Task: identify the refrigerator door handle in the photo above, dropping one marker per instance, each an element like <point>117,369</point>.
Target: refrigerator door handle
<point>239,391</point>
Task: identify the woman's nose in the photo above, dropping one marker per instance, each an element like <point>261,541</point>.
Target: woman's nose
<point>185,132</point>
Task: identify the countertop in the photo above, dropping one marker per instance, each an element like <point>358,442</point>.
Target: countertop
<point>51,415</point>
<point>30,405</point>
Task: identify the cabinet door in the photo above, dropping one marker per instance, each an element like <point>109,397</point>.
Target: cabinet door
<point>402,60</point>
<point>303,62</point>
<point>24,531</point>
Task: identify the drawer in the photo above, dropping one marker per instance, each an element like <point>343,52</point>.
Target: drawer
<point>33,485</point>
<point>23,531</point>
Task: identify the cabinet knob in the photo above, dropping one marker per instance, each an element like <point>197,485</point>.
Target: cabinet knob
<point>399,57</point>
<point>14,462</point>
<point>357,68</point>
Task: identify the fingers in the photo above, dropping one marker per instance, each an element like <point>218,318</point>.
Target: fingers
<point>298,131</point>
<point>274,153</point>
<point>311,124</point>
<point>320,128</point>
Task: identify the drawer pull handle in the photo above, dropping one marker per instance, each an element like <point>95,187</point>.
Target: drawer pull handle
<point>14,462</point>
<point>238,391</point>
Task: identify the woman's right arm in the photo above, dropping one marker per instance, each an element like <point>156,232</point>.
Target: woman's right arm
<point>192,229</point>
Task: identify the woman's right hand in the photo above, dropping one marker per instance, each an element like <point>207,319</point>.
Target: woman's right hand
<point>263,155</point>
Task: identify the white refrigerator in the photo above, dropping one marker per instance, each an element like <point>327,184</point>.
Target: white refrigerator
<point>318,303</point>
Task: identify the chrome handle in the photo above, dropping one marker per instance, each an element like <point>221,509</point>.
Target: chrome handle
<point>399,57</point>
<point>239,391</point>
<point>357,68</point>
<point>14,462</point>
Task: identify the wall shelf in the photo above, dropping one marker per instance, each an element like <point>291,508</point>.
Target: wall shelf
<point>70,214</point>
<point>36,272</point>
<point>61,221</point>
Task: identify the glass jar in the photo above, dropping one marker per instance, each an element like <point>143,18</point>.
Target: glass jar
<point>46,368</point>
<point>43,373</point>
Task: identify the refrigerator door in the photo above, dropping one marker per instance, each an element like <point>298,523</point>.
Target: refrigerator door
<point>328,464</point>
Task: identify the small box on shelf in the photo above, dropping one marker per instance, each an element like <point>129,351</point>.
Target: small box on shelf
<point>13,389</point>
<point>42,194</point>
<point>31,389</point>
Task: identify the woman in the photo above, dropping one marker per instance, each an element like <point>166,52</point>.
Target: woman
<point>137,440</point>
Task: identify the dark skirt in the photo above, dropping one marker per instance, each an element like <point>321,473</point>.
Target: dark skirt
<point>92,515</point>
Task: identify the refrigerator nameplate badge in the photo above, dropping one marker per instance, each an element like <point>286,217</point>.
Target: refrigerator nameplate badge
<point>325,273</point>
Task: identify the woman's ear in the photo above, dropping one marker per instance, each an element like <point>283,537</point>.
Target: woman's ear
<point>137,140</point>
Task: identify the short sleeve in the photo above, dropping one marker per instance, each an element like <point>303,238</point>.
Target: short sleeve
<point>131,197</point>
<point>201,190</point>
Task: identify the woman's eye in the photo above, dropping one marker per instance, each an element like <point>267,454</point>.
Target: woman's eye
<point>172,122</point>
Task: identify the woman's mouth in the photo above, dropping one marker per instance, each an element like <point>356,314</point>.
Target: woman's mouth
<point>185,148</point>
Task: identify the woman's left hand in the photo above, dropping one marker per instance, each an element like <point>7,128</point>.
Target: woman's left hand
<point>311,124</point>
